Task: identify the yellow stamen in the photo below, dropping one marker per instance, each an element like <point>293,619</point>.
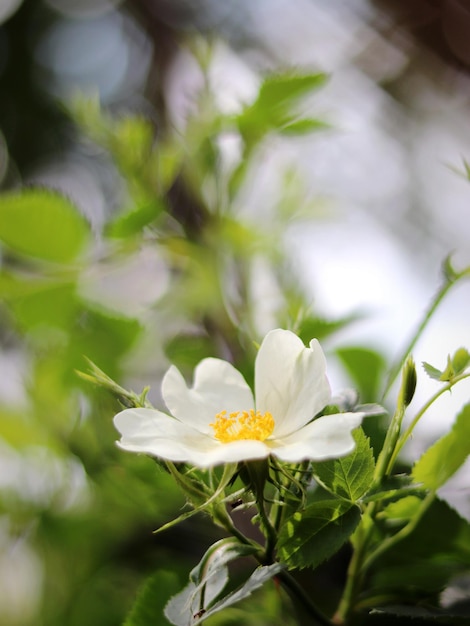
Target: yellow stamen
<point>242,425</point>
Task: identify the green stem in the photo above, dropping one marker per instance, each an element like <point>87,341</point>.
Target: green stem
<point>452,277</point>
<point>401,534</point>
<point>299,596</point>
<point>401,442</point>
<point>355,572</point>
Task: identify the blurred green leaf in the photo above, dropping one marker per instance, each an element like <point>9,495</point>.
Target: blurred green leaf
<point>151,600</point>
<point>303,126</point>
<point>103,338</point>
<point>45,303</point>
<point>460,360</point>
<point>315,534</point>
<point>283,90</point>
<point>366,368</point>
<point>273,109</point>
<point>447,455</point>
<point>185,350</point>
<point>318,328</point>
<point>42,224</point>
<point>349,477</point>
<point>133,221</point>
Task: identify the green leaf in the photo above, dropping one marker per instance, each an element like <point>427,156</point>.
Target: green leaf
<point>196,493</point>
<point>460,360</point>
<point>421,564</point>
<point>455,366</point>
<point>303,126</point>
<point>444,458</point>
<point>402,510</point>
<point>432,371</point>
<point>315,327</point>
<point>365,367</point>
<point>349,477</point>
<point>258,578</point>
<point>187,350</point>
<point>207,581</point>
<point>272,110</point>
<point>42,224</point>
<point>283,90</point>
<point>103,337</point>
<point>46,304</point>
<point>404,615</point>
<point>151,600</point>
<point>135,220</point>
<point>315,534</point>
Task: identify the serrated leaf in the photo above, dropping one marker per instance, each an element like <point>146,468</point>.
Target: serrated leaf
<point>444,458</point>
<point>207,580</point>
<point>349,477</point>
<point>432,371</point>
<point>42,224</point>
<point>260,576</point>
<point>151,600</point>
<point>315,534</point>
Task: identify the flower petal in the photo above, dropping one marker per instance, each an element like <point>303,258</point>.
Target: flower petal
<point>328,437</point>
<point>290,381</point>
<point>151,432</point>
<point>218,386</point>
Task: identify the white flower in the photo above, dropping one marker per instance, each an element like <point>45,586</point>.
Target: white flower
<point>219,421</point>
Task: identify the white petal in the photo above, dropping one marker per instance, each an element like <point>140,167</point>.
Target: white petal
<point>236,451</point>
<point>151,432</point>
<point>218,386</point>
<point>328,437</point>
<point>290,381</point>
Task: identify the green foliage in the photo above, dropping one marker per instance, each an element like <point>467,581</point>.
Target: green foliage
<point>427,571</point>
<point>313,535</point>
<point>455,366</point>
<point>42,224</point>
<point>273,109</point>
<point>197,601</point>
<point>349,477</point>
<point>366,368</point>
<point>180,200</point>
<point>150,603</point>
<point>446,456</point>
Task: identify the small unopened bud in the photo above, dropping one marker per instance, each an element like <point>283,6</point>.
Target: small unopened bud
<point>408,381</point>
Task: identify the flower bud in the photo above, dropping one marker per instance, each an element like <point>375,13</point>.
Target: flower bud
<point>408,382</point>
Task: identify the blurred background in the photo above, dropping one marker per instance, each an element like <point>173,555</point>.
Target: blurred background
<point>354,219</point>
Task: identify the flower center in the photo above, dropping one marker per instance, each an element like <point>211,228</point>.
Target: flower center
<point>242,425</point>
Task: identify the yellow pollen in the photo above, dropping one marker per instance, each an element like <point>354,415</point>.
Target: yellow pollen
<point>242,425</point>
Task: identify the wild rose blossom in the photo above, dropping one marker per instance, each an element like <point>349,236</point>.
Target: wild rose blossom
<point>219,420</point>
